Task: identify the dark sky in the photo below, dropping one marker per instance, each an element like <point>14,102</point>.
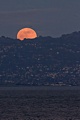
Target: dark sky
<point>47,17</point>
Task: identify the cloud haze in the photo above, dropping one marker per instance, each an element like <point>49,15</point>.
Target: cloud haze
<point>50,18</point>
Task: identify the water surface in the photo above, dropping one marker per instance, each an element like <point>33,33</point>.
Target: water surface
<point>40,103</point>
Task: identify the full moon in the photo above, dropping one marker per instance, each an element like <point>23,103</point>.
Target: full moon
<point>26,33</point>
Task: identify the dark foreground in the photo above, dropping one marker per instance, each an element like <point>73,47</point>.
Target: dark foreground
<point>39,104</point>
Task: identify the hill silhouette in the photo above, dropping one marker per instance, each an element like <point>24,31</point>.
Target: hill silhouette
<point>41,61</point>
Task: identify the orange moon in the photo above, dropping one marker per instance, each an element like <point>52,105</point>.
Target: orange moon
<point>26,33</point>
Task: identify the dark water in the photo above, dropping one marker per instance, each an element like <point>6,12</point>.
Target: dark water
<point>40,103</point>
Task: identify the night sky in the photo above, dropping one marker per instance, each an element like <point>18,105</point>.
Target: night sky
<point>46,17</point>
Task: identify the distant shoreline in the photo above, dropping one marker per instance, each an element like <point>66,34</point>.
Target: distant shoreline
<point>39,87</point>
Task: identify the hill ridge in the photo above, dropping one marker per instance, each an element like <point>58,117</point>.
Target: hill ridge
<point>41,61</point>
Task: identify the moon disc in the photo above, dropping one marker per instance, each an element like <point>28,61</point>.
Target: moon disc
<point>27,33</point>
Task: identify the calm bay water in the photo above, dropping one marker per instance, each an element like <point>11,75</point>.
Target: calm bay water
<point>39,103</point>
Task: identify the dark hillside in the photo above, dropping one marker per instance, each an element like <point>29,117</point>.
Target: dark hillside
<point>42,61</point>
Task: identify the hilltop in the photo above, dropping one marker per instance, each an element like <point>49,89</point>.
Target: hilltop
<point>41,61</point>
